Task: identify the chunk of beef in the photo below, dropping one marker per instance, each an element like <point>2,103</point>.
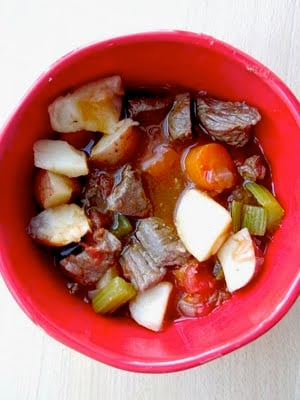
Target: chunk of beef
<point>252,168</point>
<point>140,268</point>
<point>100,253</point>
<point>161,242</point>
<point>227,121</point>
<point>243,195</point>
<point>128,196</point>
<point>155,247</point>
<point>149,110</point>
<point>98,187</point>
<point>179,118</point>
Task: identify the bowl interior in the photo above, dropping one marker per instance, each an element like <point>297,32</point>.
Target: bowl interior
<point>188,60</point>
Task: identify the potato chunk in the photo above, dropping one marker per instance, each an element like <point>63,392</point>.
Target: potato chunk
<point>119,146</point>
<point>52,190</point>
<point>60,157</point>
<point>94,107</point>
<point>148,308</point>
<point>59,226</point>
<point>237,257</point>
<point>202,223</point>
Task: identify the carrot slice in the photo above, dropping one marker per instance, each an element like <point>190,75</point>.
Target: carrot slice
<point>211,167</point>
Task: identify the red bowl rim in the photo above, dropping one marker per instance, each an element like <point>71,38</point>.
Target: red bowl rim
<point>110,358</point>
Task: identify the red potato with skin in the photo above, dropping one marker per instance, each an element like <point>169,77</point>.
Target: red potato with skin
<point>95,107</point>
<point>59,226</point>
<point>202,224</point>
<point>119,146</point>
<point>59,157</point>
<point>148,308</point>
<point>52,190</point>
<point>238,259</point>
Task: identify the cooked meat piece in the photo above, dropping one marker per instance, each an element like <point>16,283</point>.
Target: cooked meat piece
<point>98,187</point>
<point>252,168</point>
<point>149,110</point>
<point>161,242</point>
<point>128,196</point>
<point>179,119</point>
<point>99,219</point>
<point>227,121</point>
<point>155,247</point>
<point>98,255</point>
<point>243,195</point>
<point>140,268</point>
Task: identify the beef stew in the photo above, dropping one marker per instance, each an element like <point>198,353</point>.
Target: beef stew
<point>175,201</point>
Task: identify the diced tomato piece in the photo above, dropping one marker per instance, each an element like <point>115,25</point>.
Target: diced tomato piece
<point>197,278</point>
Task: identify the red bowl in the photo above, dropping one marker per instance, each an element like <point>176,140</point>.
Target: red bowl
<point>178,58</point>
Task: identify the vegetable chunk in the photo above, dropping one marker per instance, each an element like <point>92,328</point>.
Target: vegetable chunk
<point>112,296</point>
<point>59,226</point>
<point>211,167</point>
<point>119,146</point>
<point>237,257</point>
<point>202,223</point>
<point>60,157</point>
<point>94,107</point>
<point>265,198</point>
<point>51,189</point>
<point>149,308</point>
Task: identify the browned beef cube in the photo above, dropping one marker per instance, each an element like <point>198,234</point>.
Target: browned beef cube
<point>227,121</point>
<point>179,118</point>
<point>243,195</point>
<point>149,110</point>
<point>139,267</point>
<point>128,196</point>
<point>161,242</point>
<point>252,168</point>
<point>98,187</point>
<point>88,266</point>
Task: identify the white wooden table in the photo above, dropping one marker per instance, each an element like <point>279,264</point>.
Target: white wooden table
<point>33,34</point>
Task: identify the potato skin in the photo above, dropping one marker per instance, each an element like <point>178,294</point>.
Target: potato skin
<point>118,147</point>
<point>59,226</point>
<point>59,157</point>
<point>95,106</point>
<point>51,189</point>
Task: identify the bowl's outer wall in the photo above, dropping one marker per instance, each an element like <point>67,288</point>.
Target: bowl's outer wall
<point>176,58</point>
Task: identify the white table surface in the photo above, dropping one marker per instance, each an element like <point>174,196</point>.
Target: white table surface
<point>33,34</point>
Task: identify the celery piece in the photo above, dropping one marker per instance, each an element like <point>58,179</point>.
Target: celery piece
<point>111,273</point>
<point>266,199</point>
<point>255,219</point>
<point>236,215</point>
<point>121,226</point>
<point>114,295</point>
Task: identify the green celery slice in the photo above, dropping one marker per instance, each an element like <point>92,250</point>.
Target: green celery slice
<point>236,215</point>
<point>266,199</point>
<point>114,295</point>
<point>111,273</point>
<point>255,219</point>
